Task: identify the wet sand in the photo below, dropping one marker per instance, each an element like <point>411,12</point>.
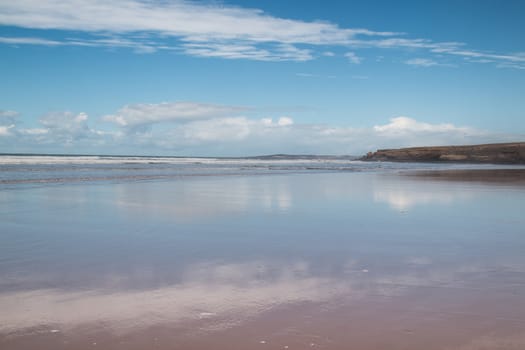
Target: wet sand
<point>328,261</point>
<point>501,176</point>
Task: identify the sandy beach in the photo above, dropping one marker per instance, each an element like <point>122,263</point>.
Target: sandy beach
<point>369,260</point>
<point>501,176</point>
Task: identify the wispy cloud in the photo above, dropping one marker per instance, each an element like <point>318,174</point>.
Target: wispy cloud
<point>443,48</point>
<point>28,41</point>
<point>352,57</point>
<point>516,60</point>
<point>189,20</point>
<point>312,75</point>
<point>207,30</point>
<point>426,62</point>
<point>8,116</point>
<point>510,65</point>
<point>282,52</point>
<point>422,62</point>
<point>137,46</point>
<point>203,29</point>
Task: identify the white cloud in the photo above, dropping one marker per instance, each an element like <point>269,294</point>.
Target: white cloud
<point>422,62</point>
<point>220,129</point>
<point>352,57</point>
<point>191,128</point>
<point>448,48</point>
<point>248,51</point>
<point>147,114</point>
<point>8,117</point>
<point>409,125</point>
<point>58,129</point>
<point>64,128</point>
<point>511,65</point>
<point>5,130</point>
<point>229,51</point>
<point>28,41</point>
<point>307,75</point>
<point>407,43</point>
<point>34,131</point>
<point>311,75</point>
<point>285,121</point>
<point>208,30</point>
<point>245,136</point>
<point>65,121</point>
<point>408,132</point>
<point>427,62</point>
<point>189,20</point>
<point>230,130</point>
<point>516,60</point>
<point>137,46</point>
<point>8,120</point>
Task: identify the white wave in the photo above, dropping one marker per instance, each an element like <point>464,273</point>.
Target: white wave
<point>72,159</point>
<point>37,159</point>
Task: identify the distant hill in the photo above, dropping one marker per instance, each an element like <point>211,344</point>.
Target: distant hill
<point>300,157</point>
<point>496,153</point>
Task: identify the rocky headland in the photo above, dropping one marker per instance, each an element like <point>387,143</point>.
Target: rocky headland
<point>496,153</point>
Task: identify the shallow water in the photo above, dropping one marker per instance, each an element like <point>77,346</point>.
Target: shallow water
<point>287,260</point>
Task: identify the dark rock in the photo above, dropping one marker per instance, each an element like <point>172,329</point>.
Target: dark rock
<point>497,153</point>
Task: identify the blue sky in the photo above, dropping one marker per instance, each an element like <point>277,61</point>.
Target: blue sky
<point>258,77</point>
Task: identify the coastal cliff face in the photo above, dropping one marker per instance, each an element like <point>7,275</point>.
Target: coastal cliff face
<point>500,153</point>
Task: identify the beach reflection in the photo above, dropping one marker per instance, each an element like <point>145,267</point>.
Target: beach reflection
<point>402,193</point>
<point>198,199</point>
<point>295,256</point>
<point>228,294</point>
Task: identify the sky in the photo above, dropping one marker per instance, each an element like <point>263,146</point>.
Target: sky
<point>234,78</point>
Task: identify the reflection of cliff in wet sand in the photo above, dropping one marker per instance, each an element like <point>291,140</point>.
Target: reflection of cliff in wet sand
<point>498,153</point>
<point>495,176</point>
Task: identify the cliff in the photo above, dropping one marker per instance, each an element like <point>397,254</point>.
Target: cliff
<point>497,153</point>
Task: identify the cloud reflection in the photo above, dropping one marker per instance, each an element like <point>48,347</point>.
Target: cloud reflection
<point>225,293</point>
<point>404,199</point>
<point>195,200</point>
<point>219,296</point>
<point>492,342</point>
<point>403,194</point>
